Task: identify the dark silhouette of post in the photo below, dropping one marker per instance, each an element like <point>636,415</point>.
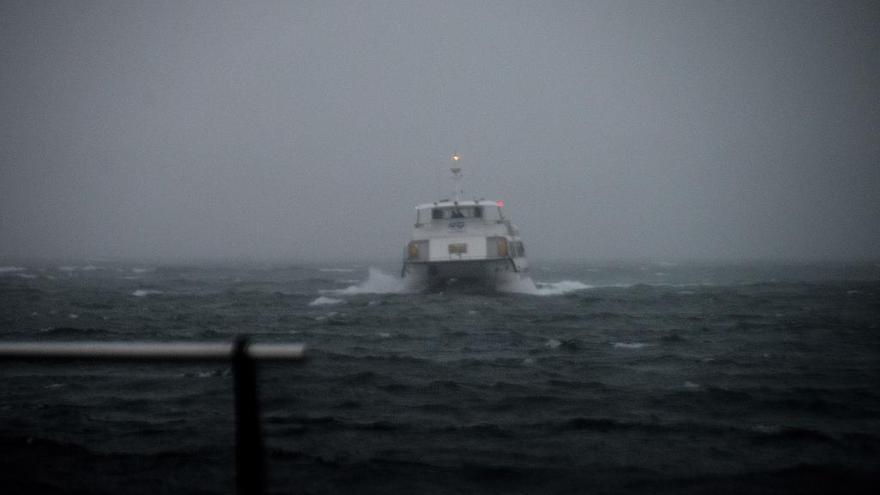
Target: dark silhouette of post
<point>250,465</point>
<point>249,457</point>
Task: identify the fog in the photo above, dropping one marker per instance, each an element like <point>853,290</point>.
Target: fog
<point>309,130</point>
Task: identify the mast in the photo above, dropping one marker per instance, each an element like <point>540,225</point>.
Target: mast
<point>456,177</point>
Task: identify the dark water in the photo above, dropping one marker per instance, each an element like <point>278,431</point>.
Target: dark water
<point>639,378</point>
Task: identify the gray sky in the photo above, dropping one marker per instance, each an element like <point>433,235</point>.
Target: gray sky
<point>308,130</point>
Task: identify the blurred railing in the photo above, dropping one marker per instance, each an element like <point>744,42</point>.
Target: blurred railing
<point>250,476</point>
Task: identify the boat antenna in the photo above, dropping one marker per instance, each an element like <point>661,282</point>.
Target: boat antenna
<point>456,176</point>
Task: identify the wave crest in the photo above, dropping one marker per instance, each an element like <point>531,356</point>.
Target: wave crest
<point>526,285</point>
<point>323,301</point>
<point>377,282</point>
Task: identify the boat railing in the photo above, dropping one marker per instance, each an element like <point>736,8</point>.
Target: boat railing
<point>250,477</point>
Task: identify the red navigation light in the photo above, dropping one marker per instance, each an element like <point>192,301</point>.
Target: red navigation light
<point>500,203</point>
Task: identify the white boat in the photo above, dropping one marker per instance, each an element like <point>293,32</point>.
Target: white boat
<point>463,240</point>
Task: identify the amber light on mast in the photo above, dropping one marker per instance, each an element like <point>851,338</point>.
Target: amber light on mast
<point>456,176</point>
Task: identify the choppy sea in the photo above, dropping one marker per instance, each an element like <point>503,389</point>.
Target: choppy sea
<point>599,378</point>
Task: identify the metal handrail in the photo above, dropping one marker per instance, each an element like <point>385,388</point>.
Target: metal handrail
<point>243,355</point>
<point>148,351</point>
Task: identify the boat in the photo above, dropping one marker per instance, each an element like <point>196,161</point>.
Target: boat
<point>463,240</point>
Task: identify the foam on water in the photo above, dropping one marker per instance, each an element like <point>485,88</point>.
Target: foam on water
<point>11,269</point>
<point>84,268</point>
<point>322,301</point>
<point>145,292</point>
<point>629,345</point>
<point>526,285</point>
<point>377,282</point>
<point>324,317</point>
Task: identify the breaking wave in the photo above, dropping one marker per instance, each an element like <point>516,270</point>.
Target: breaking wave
<point>323,301</point>
<point>528,286</point>
<point>629,345</point>
<point>145,292</point>
<point>377,282</point>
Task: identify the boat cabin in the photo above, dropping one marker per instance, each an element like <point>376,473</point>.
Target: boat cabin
<point>486,211</point>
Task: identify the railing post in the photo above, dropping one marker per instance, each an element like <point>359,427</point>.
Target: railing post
<point>249,461</point>
<point>249,457</point>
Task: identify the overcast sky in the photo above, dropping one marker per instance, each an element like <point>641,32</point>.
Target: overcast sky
<point>309,130</point>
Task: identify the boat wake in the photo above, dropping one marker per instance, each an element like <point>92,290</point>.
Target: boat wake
<point>377,282</point>
<point>528,286</point>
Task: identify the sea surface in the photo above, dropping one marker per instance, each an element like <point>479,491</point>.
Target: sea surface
<point>597,378</point>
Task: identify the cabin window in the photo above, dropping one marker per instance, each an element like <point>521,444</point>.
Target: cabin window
<point>467,212</point>
<point>496,247</point>
<point>458,212</point>
<point>424,216</point>
<point>491,214</point>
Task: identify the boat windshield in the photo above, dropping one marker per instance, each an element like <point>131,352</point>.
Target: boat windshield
<point>457,212</point>
<point>486,213</point>
<point>492,214</point>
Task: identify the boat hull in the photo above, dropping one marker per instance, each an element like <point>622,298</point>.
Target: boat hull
<point>492,272</point>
